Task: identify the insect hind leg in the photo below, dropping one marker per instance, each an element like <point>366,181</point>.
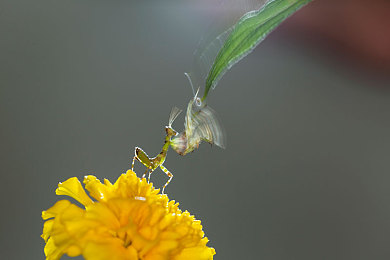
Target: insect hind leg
<point>149,172</point>
<point>169,174</point>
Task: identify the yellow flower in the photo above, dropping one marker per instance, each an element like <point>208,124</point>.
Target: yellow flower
<point>126,220</point>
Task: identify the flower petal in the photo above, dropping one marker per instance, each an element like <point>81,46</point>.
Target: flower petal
<point>72,188</point>
<point>96,189</point>
<point>128,220</point>
<point>112,250</point>
<point>196,253</point>
<point>52,251</point>
<point>56,209</point>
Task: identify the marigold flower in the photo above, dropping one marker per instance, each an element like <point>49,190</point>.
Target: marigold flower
<point>126,220</point>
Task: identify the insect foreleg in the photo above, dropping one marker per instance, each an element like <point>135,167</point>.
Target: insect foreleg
<point>142,157</point>
<point>170,175</point>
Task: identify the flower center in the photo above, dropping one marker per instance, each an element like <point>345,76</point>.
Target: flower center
<point>126,241</point>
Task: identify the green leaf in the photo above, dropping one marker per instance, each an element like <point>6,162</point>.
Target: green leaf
<point>247,33</point>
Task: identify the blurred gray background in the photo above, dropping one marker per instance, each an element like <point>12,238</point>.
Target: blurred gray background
<point>306,173</point>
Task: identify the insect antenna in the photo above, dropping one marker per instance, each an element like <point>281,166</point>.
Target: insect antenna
<point>189,79</point>
<point>197,100</point>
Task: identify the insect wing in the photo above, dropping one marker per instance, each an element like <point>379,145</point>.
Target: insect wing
<point>174,113</point>
<point>202,124</point>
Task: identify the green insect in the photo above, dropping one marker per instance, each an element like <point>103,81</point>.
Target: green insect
<point>153,163</point>
<point>201,124</point>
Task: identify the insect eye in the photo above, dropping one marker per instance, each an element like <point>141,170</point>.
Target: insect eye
<point>198,101</point>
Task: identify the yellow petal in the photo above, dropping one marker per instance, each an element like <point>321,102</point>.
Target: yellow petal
<point>52,251</point>
<point>111,251</point>
<point>57,208</point>
<point>104,216</point>
<point>72,188</point>
<point>97,190</point>
<point>47,228</point>
<point>129,220</point>
<point>73,251</point>
<point>196,253</point>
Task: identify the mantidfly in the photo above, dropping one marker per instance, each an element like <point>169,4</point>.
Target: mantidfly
<point>201,124</point>
<point>152,163</point>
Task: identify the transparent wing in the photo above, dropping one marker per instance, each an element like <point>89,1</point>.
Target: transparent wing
<point>174,113</point>
<point>203,124</point>
<point>209,128</point>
